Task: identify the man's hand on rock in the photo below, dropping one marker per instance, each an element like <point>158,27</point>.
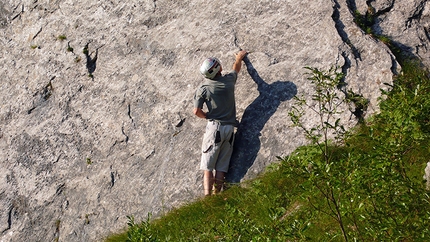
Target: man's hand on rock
<point>241,54</point>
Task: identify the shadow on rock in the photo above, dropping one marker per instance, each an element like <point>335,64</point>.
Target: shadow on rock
<point>247,139</point>
<point>91,62</point>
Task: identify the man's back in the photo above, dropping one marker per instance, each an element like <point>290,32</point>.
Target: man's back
<point>218,94</point>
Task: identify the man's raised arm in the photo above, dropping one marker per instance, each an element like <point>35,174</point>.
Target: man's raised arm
<point>238,62</point>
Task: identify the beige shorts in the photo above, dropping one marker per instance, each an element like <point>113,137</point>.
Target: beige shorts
<point>217,147</point>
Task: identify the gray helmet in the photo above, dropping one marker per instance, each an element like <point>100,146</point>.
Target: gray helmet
<point>210,67</point>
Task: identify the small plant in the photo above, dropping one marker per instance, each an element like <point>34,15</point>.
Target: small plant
<point>87,219</point>
<point>325,103</point>
<point>140,232</point>
<point>85,50</point>
<point>385,40</point>
<point>34,47</point>
<point>57,224</point>
<point>61,37</point>
<point>57,230</point>
<point>360,104</point>
<point>365,21</point>
<point>89,162</point>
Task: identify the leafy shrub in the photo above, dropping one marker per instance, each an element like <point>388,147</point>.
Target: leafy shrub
<point>370,186</point>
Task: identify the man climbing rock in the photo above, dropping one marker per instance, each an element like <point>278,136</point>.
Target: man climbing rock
<point>217,92</point>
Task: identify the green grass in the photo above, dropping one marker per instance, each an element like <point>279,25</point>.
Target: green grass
<point>61,37</point>
<point>238,213</point>
<point>370,189</point>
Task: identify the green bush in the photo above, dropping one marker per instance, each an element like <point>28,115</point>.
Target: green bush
<point>371,186</point>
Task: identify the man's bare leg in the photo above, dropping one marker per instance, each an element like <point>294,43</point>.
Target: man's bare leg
<point>208,182</point>
<point>219,181</point>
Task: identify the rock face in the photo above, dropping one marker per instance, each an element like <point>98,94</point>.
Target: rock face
<point>96,97</point>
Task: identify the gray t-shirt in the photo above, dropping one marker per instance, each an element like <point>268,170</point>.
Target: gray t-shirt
<point>218,94</point>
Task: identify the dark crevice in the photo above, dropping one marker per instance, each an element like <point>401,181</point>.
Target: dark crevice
<point>369,23</point>
<point>126,136</point>
<point>150,154</point>
<point>401,51</point>
<point>417,14</point>
<point>60,189</point>
<point>113,146</point>
<point>129,112</point>
<point>345,67</point>
<point>112,179</point>
<point>359,103</point>
<point>38,32</point>
<point>351,6</point>
<point>370,15</point>
<point>155,5</point>
<point>31,110</point>
<point>58,159</point>
<point>19,14</point>
<point>385,10</point>
<point>47,90</point>
<point>9,219</point>
<point>43,95</point>
<point>426,31</point>
<point>181,121</point>
<point>340,30</point>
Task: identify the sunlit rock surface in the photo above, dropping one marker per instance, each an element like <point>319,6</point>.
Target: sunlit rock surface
<point>96,97</point>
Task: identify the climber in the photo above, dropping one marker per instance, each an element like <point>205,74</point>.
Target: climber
<point>217,92</point>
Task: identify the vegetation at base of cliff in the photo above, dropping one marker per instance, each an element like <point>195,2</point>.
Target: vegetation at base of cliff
<point>366,185</point>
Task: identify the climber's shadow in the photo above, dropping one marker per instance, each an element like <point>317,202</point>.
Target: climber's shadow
<point>247,141</point>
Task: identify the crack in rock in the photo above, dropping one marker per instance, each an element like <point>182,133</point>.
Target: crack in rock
<point>44,95</point>
<point>129,112</point>
<point>126,136</point>
<point>342,33</point>
<point>60,189</point>
<point>417,14</point>
<point>112,179</point>
<point>9,220</point>
<point>384,10</point>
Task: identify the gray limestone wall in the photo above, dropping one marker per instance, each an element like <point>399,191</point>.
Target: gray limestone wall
<point>96,115</point>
